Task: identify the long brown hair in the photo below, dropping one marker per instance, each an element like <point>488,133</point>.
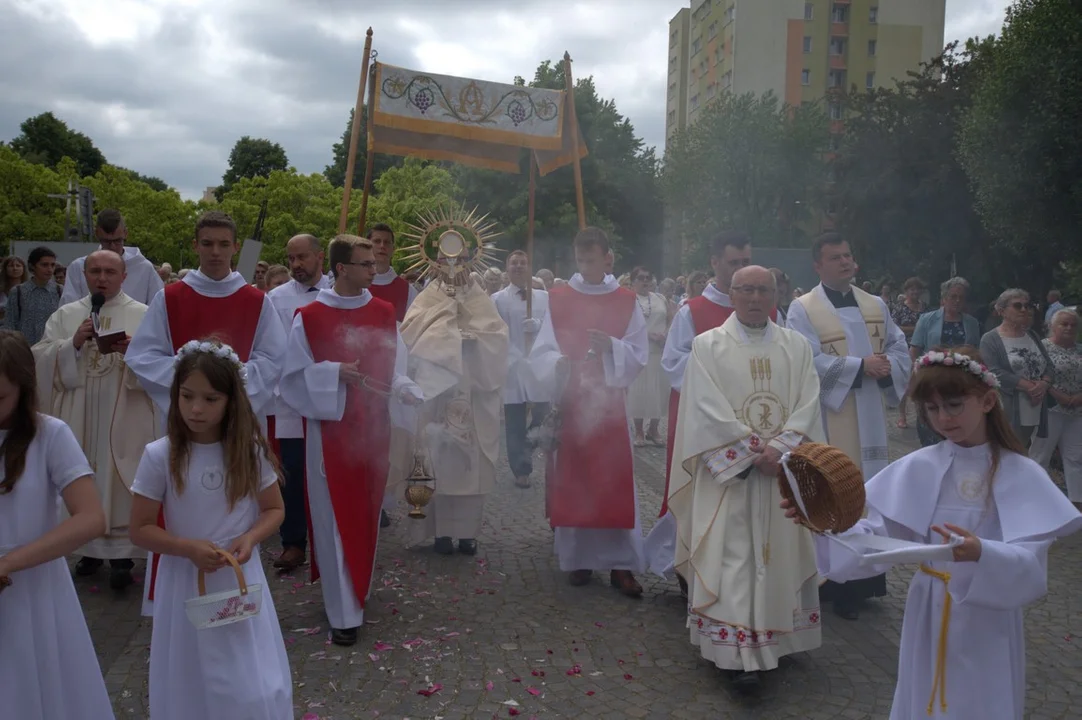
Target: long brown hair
<point>17,365</point>
<point>240,434</point>
<point>5,283</point>
<point>950,382</point>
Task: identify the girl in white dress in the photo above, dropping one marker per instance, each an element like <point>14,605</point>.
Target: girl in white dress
<point>962,651</point>
<point>48,668</point>
<point>218,484</point>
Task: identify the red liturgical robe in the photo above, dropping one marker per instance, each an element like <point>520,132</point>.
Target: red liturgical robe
<point>592,484</point>
<point>396,292</point>
<point>356,449</point>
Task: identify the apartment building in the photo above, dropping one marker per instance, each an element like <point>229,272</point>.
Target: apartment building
<point>799,49</point>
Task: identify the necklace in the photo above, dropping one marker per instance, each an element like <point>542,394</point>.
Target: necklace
<point>645,308</point>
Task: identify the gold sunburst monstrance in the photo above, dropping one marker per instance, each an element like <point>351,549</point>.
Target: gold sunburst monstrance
<point>450,243</point>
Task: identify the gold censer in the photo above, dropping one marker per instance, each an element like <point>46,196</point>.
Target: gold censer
<point>419,488</point>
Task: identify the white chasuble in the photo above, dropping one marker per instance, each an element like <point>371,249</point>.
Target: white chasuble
<point>753,587</point>
<point>102,401</point>
<point>854,417</point>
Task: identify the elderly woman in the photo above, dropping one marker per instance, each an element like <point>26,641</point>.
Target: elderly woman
<point>1014,352</point>
<point>648,397</point>
<point>947,327</point>
<point>1065,418</point>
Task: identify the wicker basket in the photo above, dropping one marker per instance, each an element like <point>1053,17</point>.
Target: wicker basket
<point>830,486</point>
<point>226,607</point>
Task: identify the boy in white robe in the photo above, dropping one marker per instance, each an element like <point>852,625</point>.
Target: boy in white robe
<point>750,395</point>
<point>142,281</point>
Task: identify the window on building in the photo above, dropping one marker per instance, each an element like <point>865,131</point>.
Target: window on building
<point>672,39</point>
<point>873,15</point>
<point>869,80</point>
<point>712,31</point>
<point>837,46</point>
<point>807,44</point>
<point>836,78</point>
<point>672,91</point>
<point>696,46</point>
<point>672,64</point>
<point>840,14</point>
<point>711,90</point>
<point>835,111</point>
<point>672,117</point>
<point>727,80</point>
<point>730,14</point>
<point>805,77</point>
<point>809,11</point>
<point>694,102</point>
<point>871,48</point>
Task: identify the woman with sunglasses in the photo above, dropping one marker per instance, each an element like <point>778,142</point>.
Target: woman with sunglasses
<point>1014,352</point>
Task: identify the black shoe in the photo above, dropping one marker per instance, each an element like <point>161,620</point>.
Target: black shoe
<point>846,610</point>
<point>467,546</point>
<point>746,682</point>
<point>120,577</point>
<point>88,566</point>
<point>683,586</point>
<point>345,637</point>
<point>445,546</point>
<point>384,519</point>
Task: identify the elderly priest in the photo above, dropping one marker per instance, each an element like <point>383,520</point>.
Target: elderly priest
<point>750,394</point>
<point>84,381</point>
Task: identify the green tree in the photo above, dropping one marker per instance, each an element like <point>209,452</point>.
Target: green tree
<point>751,163</point>
<point>252,157</point>
<point>46,139</point>
<point>154,182</point>
<point>620,186</point>
<point>1020,143</point>
<point>26,213</point>
<point>336,171</point>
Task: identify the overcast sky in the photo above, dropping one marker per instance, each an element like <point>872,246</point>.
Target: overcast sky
<point>165,87</point>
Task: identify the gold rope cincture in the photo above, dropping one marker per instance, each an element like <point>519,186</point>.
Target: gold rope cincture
<point>939,681</point>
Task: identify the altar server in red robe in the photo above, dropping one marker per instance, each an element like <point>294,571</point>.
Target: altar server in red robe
<point>345,361</point>
<point>596,332</point>
<point>213,301</point>
<point>387,285</point>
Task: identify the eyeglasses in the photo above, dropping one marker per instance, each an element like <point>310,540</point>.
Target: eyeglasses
<point>749,290</point>
<point>367,264</point>
<point>953,407</point>
<point>1022,307</point>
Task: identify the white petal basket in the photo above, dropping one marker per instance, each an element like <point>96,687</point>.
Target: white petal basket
<point>225,607</point>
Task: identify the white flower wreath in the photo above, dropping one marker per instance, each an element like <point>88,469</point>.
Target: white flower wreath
<point>960,361</point>
<point>223,351</point>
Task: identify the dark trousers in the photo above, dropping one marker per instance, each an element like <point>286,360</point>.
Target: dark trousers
<point>294,530</point>
<point>518,423</point>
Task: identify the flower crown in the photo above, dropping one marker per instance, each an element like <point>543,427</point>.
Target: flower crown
<point>220,350</point>
<point>960,361</point>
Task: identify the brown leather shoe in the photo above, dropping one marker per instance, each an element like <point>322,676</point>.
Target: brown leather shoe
<point>290,559</point>
<point>579,578</point>
<point>626,583</point>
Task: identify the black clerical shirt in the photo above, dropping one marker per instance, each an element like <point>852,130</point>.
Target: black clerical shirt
<point>849,299</point>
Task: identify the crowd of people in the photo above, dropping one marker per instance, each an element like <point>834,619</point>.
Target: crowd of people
<point>193,416</point>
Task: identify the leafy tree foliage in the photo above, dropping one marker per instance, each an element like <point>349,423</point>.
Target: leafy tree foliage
<point>751,163</point>
<point>46,139</point>
<point>252,157</point>
<point>1020,142</point>
<point>336,171</point>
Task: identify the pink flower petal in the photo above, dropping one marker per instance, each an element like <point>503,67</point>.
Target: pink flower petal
<point>533,691</point>
<point>489,685</point>
<point>430,690</point>
<point>381,646</point>
<point>589,692</point>
<point>310,716</point>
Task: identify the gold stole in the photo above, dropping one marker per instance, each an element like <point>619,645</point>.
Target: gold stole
<point>843,426</point>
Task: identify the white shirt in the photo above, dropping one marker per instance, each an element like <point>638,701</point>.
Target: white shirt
<point>141,284</point>
<point>511,305</point>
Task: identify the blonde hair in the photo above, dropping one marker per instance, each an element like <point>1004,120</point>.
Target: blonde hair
<point>244,445</point>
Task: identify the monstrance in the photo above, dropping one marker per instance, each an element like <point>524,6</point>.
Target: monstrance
<point>449,244</point>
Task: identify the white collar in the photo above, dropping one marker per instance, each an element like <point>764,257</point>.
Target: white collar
<point>385,278</point>
<point>329,297</point>
<point>716,296</point>
<point>608,285</point>
<point>214,288</point>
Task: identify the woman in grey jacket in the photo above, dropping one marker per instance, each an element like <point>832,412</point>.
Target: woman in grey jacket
<point>1014,352</point>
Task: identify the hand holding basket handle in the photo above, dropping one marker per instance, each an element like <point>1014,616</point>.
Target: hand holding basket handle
<point>227,606</point>
<point>241,582</point>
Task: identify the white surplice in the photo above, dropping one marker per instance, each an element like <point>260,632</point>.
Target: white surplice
<point>837,375</point>
<point>315,392</point>
<point>141,284</point>
<point>519,387</point>
<point>592,548</point>
<point>102,402</point>
<point>752,580</point>
<point>1017,515</point>
<point>660,543</point>
<point>48,668</point>
<point>232,672</point>
<point>386,278</point>
<point>151,357</point>
<point>287,298</point>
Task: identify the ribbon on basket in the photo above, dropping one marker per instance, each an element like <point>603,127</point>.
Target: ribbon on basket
<point>876,549</point>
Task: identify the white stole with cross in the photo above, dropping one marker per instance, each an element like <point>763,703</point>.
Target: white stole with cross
<point>855,419</point>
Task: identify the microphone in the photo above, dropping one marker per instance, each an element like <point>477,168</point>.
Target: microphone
<point>97,300</point>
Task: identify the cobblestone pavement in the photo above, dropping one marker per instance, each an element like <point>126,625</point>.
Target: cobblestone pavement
<point>503,635</point>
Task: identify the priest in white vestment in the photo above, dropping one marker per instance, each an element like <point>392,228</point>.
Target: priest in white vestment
<point>864,364</point>
<point>750,394</point>
<point>142,282</point>
<point>101,400</point>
